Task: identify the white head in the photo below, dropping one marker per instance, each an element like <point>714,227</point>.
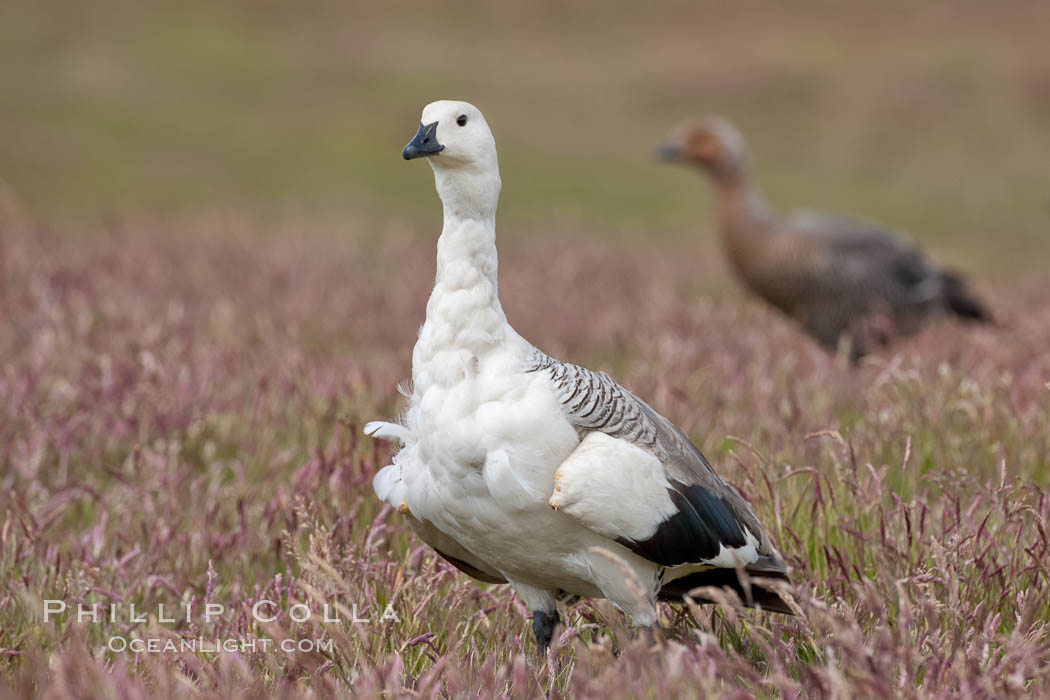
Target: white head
<point>457,141</point>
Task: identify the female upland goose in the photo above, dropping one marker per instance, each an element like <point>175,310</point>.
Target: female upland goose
<point>839,277</point>
<point>519,468</point>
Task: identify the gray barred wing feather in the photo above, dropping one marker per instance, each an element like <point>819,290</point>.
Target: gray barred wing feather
<point>709,515</point>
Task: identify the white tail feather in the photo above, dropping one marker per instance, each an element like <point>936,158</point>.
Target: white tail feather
<point>383,430</point>
<point>388,485</point>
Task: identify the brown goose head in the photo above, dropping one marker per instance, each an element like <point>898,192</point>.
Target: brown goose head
<point>712,144</point>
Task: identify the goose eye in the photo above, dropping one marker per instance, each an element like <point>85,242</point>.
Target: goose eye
<point>461,120</point>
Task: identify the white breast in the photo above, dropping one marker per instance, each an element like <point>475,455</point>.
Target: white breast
<point>493,437</point>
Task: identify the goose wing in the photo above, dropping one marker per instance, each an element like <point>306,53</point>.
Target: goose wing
<point>636,478</point>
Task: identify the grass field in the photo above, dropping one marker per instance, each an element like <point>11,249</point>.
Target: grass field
<point>213,264</point>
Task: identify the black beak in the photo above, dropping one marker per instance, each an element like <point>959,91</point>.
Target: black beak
<point>668,152</point>
<point>424,144</point>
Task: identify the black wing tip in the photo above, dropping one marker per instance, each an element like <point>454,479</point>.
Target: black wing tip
<point>702,525</point>
<point>961,301</point>
<point>969,308</point>
<point>757,594</point>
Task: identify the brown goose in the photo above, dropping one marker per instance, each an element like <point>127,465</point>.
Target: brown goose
<point>841,278</point>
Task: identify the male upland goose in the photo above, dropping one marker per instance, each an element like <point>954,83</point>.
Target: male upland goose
<point>519,468</point>
<point>840,278</point>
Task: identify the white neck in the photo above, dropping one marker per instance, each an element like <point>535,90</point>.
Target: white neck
<point>466,257</point>
<point>464,315</point>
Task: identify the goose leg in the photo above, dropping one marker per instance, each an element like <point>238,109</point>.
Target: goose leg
<point>652,634</point>
<point>543,624</point>
<point>544,612</point>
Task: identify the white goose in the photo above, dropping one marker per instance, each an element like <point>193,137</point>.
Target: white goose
<point>519,468</point>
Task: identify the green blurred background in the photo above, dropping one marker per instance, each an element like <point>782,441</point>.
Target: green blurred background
<point>933,118</point>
